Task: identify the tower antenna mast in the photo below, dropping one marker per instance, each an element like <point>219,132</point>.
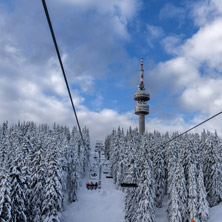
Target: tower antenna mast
<point>141,108</point>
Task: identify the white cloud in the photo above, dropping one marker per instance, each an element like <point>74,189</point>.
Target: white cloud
<point>206,95</point>
<point>173,76</point>
<point>153,33</point>
<point>90,42</point>
<point>205,45</point>
<point>206,11</point>
<point>120,12</point>
<point>194,74</point>
<point>170,11</point>
<point>163,125</point>
<point>171,44</point>
<point>123,8</point>
<point>97,102</point>
<point>32,87</point>
<point>101,123</point>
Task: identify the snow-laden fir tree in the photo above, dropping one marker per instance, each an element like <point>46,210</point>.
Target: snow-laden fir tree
<point>172,159</point>
<point>146,195</point>
<point>181,161</point>
<point>5,197</point>
<point>73,173</point>
<point>177,203</point>
<point>131,200</point>
<point>38,175</point>
<point>18,194</point>
<point>213,169</point>
<point>26,151</point>
<point>158,169</point>
<point>86,150</point>
<point>63,149</point>
<point>203,206</point>
<point>192,192</point>
<point>53,200</point>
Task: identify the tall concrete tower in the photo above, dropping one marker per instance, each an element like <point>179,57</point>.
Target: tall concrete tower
<point>141,108</point>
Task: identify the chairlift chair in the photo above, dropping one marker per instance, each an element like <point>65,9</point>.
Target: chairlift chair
<point>94,174</point>
<point>93,186</point>
<point>129,185</point>
<point>109,177</point>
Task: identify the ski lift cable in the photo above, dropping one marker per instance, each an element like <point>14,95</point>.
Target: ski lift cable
<point>192,128</point>
<point>62,67</point>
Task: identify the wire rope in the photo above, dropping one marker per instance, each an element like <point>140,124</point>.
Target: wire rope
<point>62,67</point>
<point>192,128</point>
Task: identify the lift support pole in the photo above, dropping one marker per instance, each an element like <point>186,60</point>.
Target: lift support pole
<point>100,170</point>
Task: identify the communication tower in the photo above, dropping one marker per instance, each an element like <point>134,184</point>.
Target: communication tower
<point>141,108</point>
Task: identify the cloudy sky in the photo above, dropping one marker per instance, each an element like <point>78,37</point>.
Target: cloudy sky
<point>101,42</point>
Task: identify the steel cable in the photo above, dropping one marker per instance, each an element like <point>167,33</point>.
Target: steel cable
<point>61,64</point>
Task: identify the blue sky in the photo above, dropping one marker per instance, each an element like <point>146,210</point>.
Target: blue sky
<point>101,42</point>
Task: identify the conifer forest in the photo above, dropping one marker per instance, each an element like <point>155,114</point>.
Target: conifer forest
<point>188,170</point>
<point>39,166</point>
<point>42,167</point>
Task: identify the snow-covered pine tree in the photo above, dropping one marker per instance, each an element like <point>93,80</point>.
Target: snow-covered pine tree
<point>177,205</point>
<point>23,149</point>
<point>172,159</point>
<point>192,192</point>
<point>5,145</point>
<point>212,169</point>
<point>115,154</point>
<point>120,173</point>
<point>73,173</point>
<point>174,209</point>
<point>130,175</point>
<point>18,194</point>
<point>107,146</point>
<point>165,148</point>
<point>80,154</point>
<point>146,195</point>
<point>63,157</point>
<point>203,206</point>
<point>24,159</point>
<point>87,149</point>
<point>38,175</point>
<point>131,203</point>
<point>53,199</point>
<point>158,169</point>
<point>5,199</point>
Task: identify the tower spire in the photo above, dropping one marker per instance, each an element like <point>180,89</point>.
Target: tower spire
<point>141,65</point>
<point>141,85</point>
<point>141,108</point>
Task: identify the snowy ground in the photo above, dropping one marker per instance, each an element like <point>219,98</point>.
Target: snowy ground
<point>161,214</point>
<point>216,213</point>
<point>102,205</point>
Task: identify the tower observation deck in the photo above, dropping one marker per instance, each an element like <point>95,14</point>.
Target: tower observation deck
<point>141,108</point>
